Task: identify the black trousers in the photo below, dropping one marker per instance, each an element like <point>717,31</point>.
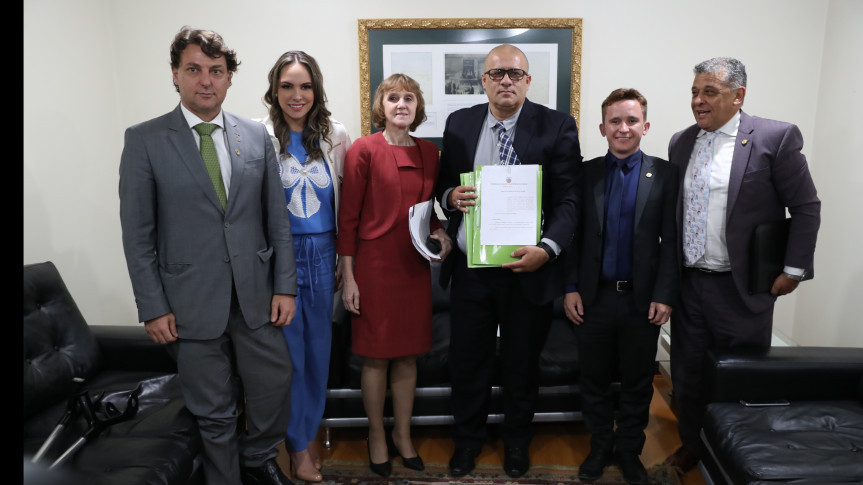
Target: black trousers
<point>480,299</point>
<point>616,340</point>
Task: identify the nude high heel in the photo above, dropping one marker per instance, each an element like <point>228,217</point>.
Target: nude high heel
<point>302,475</point>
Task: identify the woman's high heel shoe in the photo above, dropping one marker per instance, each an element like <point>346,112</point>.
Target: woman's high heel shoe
<point>314,477</point>
<point>315,455</point>
<point>414,463</point>
<point>384,469</point>
<point>306,477</point>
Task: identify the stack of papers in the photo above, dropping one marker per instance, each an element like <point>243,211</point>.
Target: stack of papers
<point>419,221</point>
<point>507,214</point>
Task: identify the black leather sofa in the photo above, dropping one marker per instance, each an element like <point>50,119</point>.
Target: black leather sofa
<point>817,437</point>
<point>559,369</point>
<point>158,443</point>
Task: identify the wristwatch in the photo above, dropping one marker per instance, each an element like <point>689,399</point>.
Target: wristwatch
<point>795,277</point>
<point>545,247</point>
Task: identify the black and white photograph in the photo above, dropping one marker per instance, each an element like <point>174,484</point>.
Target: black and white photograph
<point>463,73</point>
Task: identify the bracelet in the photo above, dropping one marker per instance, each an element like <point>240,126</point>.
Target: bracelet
<point>545,247</point>
<point>795,277</point>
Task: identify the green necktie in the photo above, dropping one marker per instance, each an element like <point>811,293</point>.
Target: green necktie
<point>211,160</point>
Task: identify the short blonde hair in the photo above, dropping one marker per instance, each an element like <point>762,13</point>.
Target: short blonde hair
<point>393,83</point>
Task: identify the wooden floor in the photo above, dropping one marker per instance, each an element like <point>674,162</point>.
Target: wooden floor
<point>553,443</point>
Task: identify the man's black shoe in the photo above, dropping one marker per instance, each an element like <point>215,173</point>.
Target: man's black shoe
<point>462,461</point>
<point>515,461</point>
<point>593,465</point>
<point>632,468</point>
<point>268,473</point>
<point>682,460</point>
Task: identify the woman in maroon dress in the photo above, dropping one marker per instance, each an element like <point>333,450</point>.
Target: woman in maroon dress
<point>385,174</point>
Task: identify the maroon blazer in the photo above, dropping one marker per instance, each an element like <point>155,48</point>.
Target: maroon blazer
<point>768,175</point>
<point>371,197</point>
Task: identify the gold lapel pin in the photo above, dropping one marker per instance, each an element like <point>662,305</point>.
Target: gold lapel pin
<point>648,175</point>
<point>744,142</point>
<point>238,152</point>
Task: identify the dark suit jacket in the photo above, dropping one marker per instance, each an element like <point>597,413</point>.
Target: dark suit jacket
<point>544,137</point>
<point>654,236</point>
<point>768,174</point>
<point>371,194</point>
<point>183,251</point>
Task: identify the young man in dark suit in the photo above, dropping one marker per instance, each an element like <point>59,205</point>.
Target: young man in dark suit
<point>737,171</point>
<point>517,296</point>
<point>208,245</point>
<point>622,280</point>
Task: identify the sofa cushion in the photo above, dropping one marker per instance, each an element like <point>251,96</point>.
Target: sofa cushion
<point>157,445</point>
<point>817,441</point>
<point>558,362</point>
<point>58,345</point>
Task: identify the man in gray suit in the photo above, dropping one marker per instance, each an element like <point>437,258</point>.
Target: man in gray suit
<point>211,260</point>
<point>738,171</point>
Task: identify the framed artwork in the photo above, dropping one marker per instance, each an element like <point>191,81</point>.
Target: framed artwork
<point>446,56</point>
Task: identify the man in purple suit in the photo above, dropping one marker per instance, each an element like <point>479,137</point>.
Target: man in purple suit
<point>737,171</point>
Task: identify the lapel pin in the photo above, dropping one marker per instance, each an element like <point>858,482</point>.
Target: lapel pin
<point>648,175</point>
<point>238,152</point>
<point>744,142</point>
<point>239,138</point>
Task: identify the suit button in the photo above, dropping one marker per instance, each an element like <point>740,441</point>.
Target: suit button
<point>227,224</point>
<point>227,259</point>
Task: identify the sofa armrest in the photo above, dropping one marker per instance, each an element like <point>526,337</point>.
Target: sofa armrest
<point>128,347</point>
<point>792,373</point>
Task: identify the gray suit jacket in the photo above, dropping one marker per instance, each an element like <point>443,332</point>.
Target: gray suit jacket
<point>654,257</point>
<point>768,174</point>
<point>183,251</point>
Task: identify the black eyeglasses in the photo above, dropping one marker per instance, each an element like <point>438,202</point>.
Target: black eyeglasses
<point>498,74</point>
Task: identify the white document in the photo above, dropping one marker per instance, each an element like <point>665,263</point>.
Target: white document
<point>419,220</point>
<point>509,205</point>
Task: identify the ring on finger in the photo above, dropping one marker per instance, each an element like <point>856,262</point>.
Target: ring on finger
<point>458,202</point>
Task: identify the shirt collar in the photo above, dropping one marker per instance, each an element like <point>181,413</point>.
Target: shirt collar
<point>729,128</point>
<point>192,119</point>
<point>629,161</point>
<point>508,124</point>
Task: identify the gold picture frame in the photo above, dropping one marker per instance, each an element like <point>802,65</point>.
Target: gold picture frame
<point>562,34</point>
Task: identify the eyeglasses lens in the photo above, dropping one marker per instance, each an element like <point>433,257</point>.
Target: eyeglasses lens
<point>514,74</point>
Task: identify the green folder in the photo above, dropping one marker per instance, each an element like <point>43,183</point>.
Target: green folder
<point>492,255</point>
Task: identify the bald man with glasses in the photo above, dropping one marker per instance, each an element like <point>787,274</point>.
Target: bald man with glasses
<point>518,296</point>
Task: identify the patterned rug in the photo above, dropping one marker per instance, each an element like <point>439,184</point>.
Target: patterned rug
<point>358,473</point>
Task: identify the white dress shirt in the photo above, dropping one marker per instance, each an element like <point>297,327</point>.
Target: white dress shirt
<point>715,247</point>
